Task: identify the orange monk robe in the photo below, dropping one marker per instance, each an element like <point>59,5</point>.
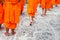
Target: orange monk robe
<point>57,1</point>
<point>21,4</point>
<point>31,8</point>
<point>39,1</point>
<point>53,2</point>
<point>11,13</point>
<point>1,12</point>
<point>46,4</point>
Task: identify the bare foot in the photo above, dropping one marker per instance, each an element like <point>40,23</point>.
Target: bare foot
<point>13,33</point>
<point>7,34</point>
<point>30,23</point>
<point>43,15</point>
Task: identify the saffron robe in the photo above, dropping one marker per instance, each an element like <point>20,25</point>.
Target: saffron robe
<point>31,8</point>
<point>11,13</point>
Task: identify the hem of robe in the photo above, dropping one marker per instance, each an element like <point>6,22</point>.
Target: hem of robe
<point>10,25</point>
<point>31,14</point>
<point>46,4</point>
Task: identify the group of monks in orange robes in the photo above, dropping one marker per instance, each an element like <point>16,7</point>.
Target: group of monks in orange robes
<point>10,11</point>
<point>47,4</point>
<point>44,4</point>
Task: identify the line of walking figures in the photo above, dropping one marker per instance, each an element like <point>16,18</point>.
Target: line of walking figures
<point>10,11</point>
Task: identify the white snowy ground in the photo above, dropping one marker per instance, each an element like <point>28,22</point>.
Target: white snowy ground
<point>44,28</point>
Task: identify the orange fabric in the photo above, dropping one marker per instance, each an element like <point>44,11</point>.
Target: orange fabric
<point>31,8</point>
<point>10,25</point>
<point>53,1</point>
<point>46,4</point>
<point>57,1</point>
<point>31,14</point>
<point>11,12</point>
<point>39,1</point>
<point>1,13</point>
<point>6,0</point>
<point>21,3</point>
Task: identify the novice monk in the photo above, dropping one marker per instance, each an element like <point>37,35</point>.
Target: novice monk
<point>1,14</point>
<point>22,2</point>
<point>11,15</point>
<point>31,9</point>
<point>45,5</point>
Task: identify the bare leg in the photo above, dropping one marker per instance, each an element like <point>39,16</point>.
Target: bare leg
<point>31,20</point>
<point>43,12</point>
<point>13,31</point>
<point>7,32</point>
